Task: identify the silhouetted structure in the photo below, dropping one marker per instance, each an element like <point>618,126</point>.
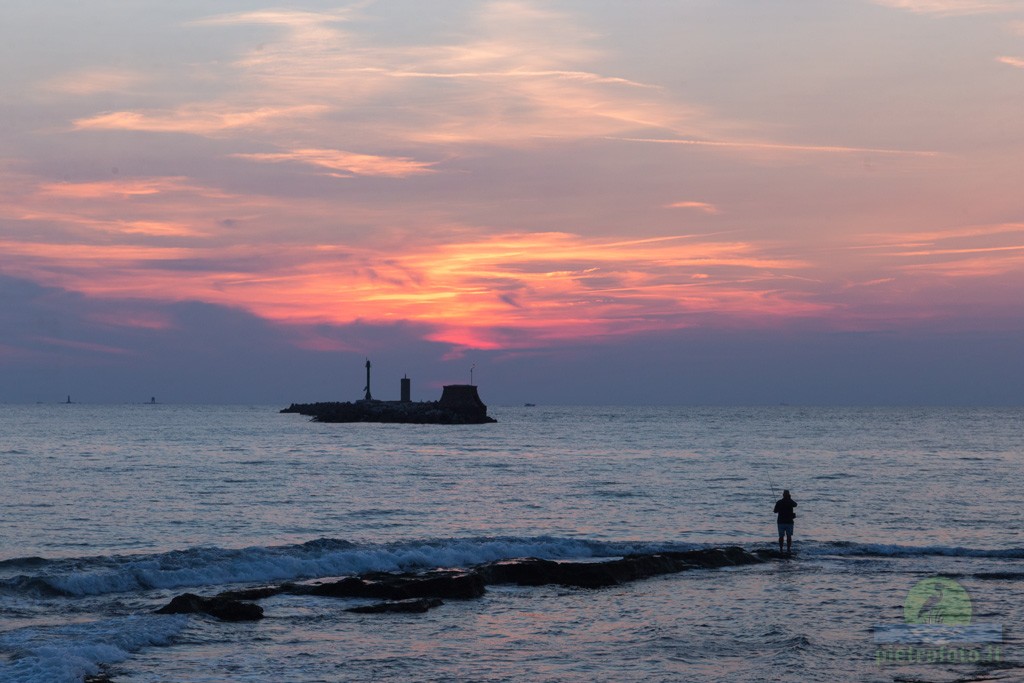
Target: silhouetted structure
<point>368,396</point>
<point>459,404</point>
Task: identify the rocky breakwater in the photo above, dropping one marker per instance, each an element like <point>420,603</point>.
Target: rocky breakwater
<point>421,591</point>
<point>459,404</point>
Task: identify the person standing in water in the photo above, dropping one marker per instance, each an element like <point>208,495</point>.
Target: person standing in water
<point>785,509</point>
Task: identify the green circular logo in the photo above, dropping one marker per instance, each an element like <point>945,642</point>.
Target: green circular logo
<point>937,601</point>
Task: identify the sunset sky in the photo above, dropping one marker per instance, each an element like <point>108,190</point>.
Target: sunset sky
<point>590,201</point>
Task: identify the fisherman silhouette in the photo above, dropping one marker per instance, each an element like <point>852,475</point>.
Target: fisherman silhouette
<point>784,507</point>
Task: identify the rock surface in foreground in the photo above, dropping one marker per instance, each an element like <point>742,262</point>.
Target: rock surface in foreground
<point>420,591</point>
<point>416,606</point>
<point>223,608</point>
<point>535,572</point>
<point>453,584</point>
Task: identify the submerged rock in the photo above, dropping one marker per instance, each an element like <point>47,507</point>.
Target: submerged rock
<point>249,594</point>
<point>417,605</point>
<point>453,584</point>
<point>536,572</point>
<point>102,677</point>
<point>220,607</point>
<point>420,591</point>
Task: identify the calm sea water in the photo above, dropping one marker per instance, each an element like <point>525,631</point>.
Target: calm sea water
<point>106,512</point>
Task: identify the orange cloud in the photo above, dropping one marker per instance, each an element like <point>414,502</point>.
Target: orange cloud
<point>952,7</point>
<point>197,120</point>
<point>978,251</point>
<point>700,206</point>
<point>349,163</point>
<point>521,77</point>
<point>93,81</point>
<point>524,74</point>
<point>124,188</point>
<point>310,26</point>
<point>781,147</point>
<point>1012,61</point>
<point>546,286</point>
<point>162,207</point>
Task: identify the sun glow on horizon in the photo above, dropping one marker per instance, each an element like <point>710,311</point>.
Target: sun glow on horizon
<point>528,175</point>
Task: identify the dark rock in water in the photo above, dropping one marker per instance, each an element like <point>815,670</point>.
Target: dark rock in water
<point>535,572</point>
<point>459,404</point>
<point>349,587</point>
<point>998,576</point>
<point>420,591</point>
<point>417,605</point>
<point>716,557</point>
<point>222,608</point>
<point>772,554</point>
<point>529,571</point>
<point>249,594</point>
<point>453,584</point>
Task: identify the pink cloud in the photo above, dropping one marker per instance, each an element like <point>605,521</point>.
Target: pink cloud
<point>1012,61</point>
<point>781,147</point>
<point>349,162</point>
<point>92,81</point>
<point>699,206</point>
<point>207,120</point>
<point>952,7</point>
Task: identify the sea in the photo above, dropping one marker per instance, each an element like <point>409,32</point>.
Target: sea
<point>107,512</point>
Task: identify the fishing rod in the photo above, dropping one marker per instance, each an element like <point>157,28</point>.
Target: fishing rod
<point>774,497</point>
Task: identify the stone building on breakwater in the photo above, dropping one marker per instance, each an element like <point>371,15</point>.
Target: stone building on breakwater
<point>459,404</point>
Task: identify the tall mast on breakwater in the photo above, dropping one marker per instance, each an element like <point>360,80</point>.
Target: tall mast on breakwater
<point>368,397</point>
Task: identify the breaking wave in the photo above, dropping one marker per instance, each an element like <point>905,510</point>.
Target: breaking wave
<point>68,653</point>
<point>197,567</point>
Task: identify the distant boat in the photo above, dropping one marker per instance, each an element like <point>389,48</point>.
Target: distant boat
<point>68,402</point>
<point>529,405</point>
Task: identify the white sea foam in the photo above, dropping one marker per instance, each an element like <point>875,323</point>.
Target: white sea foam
<point>893,550</point>
<point>68,653</point>
<point>213,566</point>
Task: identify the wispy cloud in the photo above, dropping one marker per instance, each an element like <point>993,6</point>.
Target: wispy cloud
<point>83,346</point>
<point>556,226</point>
<point>877,240</point>
<point>92,81</point>
<point>1012,61</point>
<point>981,251</point>
<point>781,147</point>
<point>953,7</point>
<point>348,163</point>
<point>556,285</point>
<point>699,206</point>
<point>521,77</point>
<point>198,120</point>
<point>126,187</point>
<point>159,207</point>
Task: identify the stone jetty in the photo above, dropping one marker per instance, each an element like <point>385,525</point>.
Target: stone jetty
<point>424,590</point>
<point>460,404</point>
